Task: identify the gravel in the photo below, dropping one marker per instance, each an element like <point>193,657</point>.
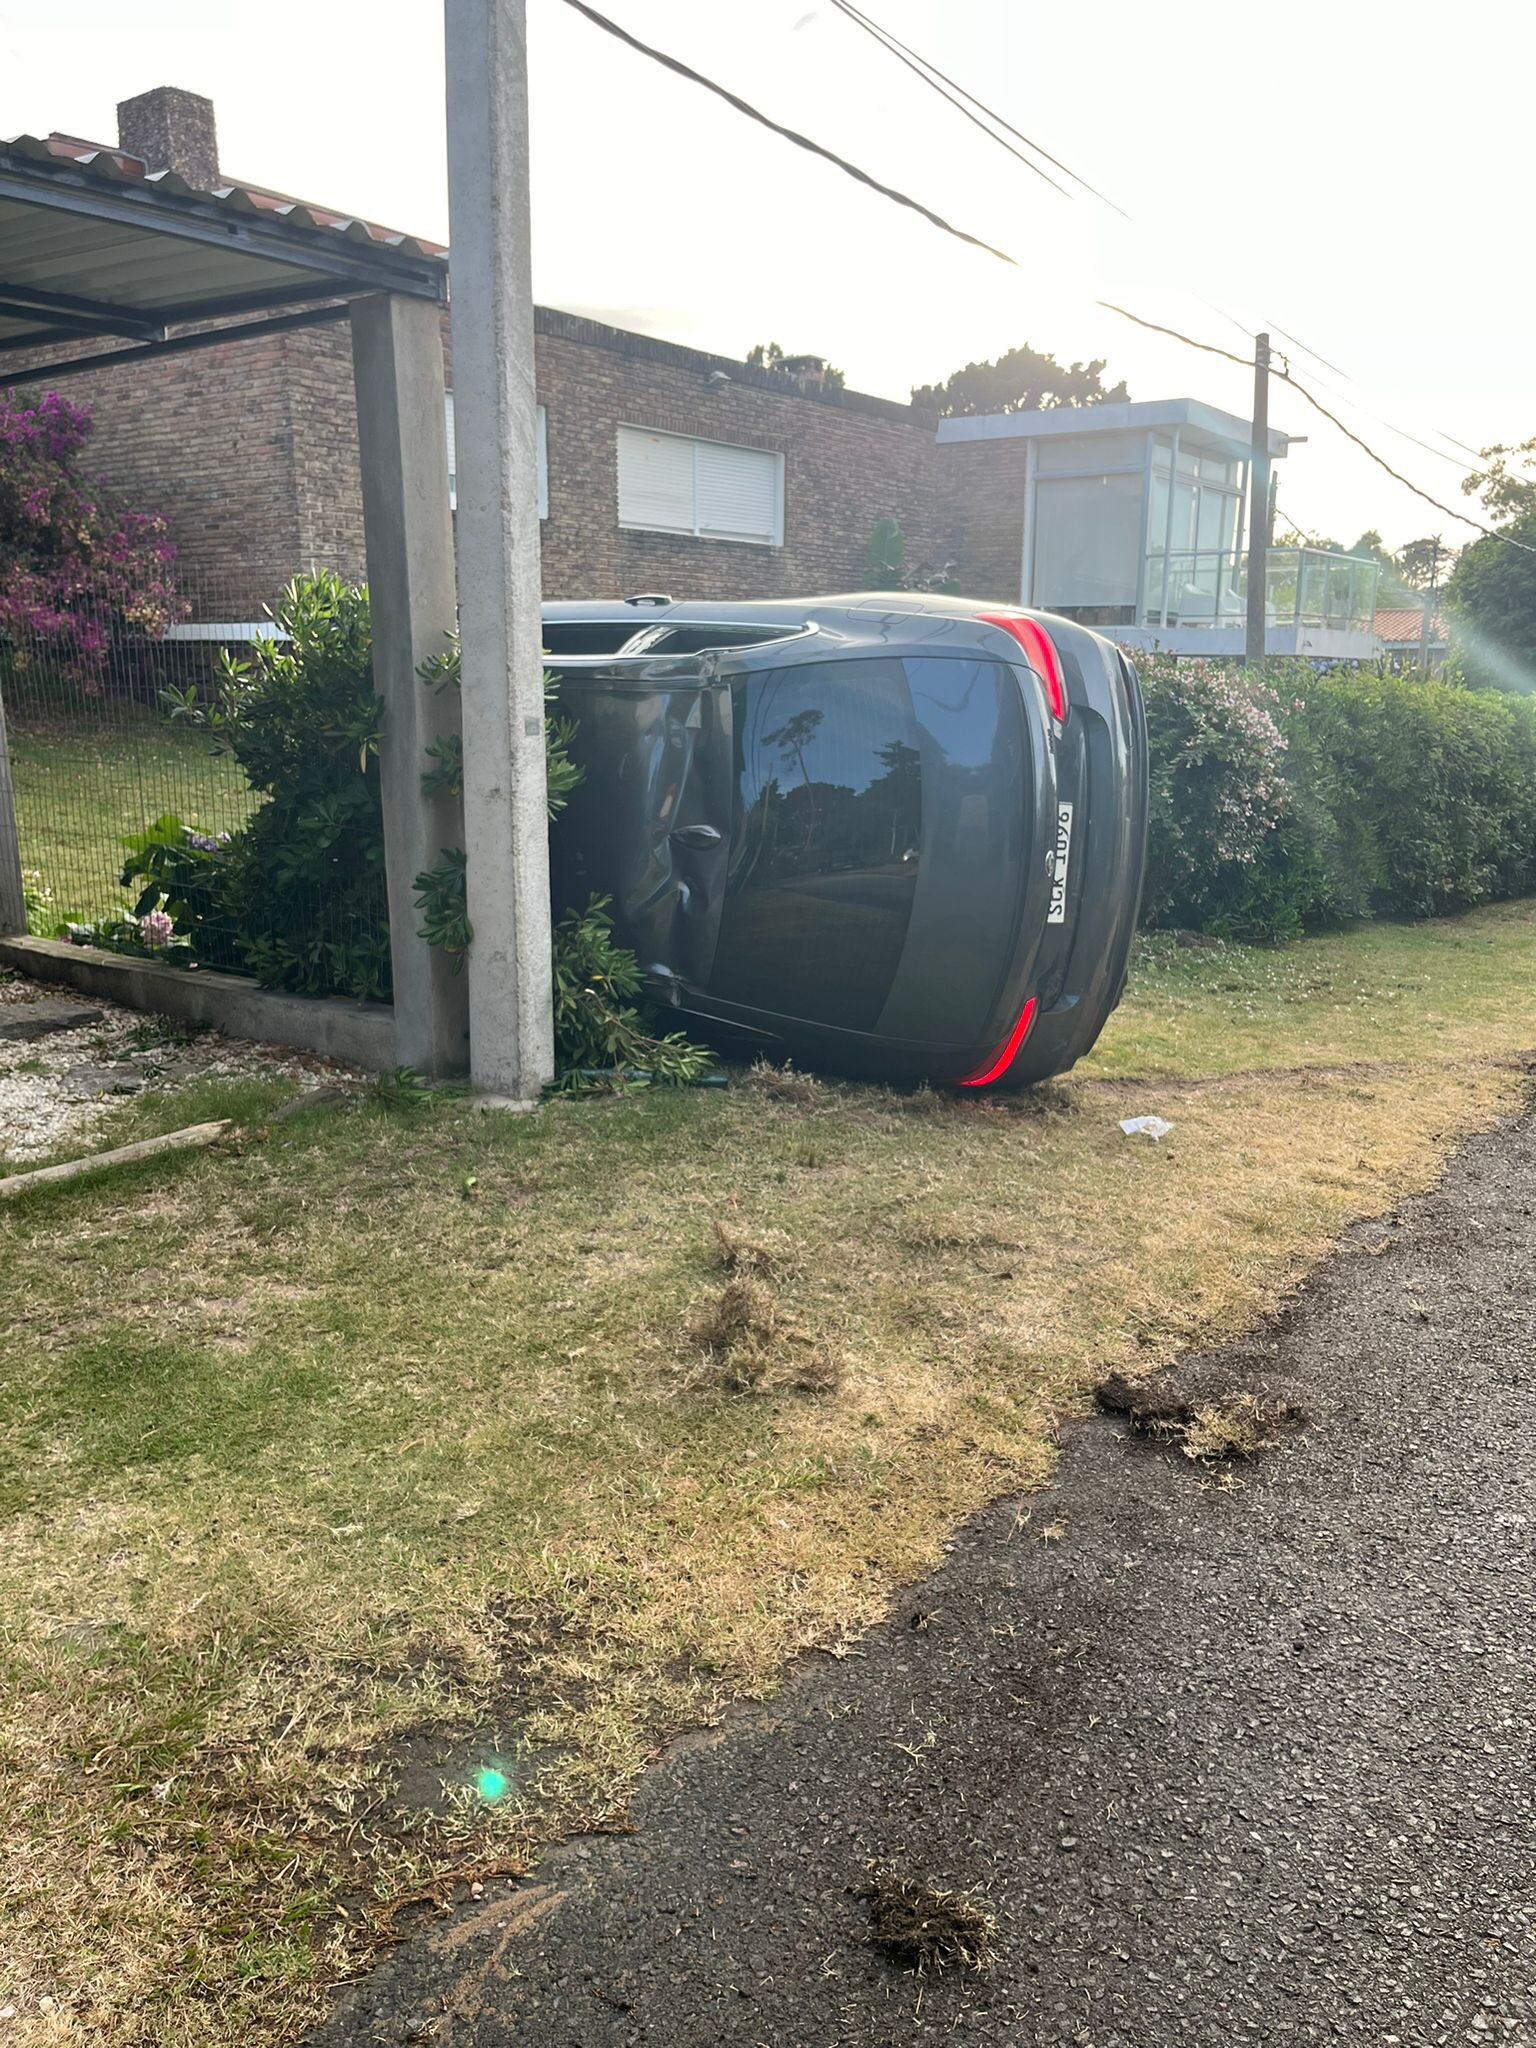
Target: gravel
<point>1240,1755</point>
<point>56,1088</point>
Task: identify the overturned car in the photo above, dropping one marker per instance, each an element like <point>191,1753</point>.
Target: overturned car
<point>890,835</point>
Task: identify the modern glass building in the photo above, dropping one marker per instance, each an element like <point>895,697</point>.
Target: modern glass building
<point>1134,520</point>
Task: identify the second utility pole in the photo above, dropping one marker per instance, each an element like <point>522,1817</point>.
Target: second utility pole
<point>1258,503</point>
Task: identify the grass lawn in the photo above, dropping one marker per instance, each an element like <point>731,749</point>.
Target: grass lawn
<point>373,1508</point>
<point>82,789</point>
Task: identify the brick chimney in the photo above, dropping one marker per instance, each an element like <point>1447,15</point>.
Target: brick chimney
<point>172,131</point>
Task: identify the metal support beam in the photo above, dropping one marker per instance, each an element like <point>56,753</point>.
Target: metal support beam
<point>506,827</point>
<point>177,345</point>
<point>397,359</point>
<point>92,315</point>
<point>192,217</point>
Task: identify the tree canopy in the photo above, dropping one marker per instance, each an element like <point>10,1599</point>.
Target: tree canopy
<point>1507,481</point>
<point>768,355</point>
<point>1023,380</point>
<point>1492,590</point>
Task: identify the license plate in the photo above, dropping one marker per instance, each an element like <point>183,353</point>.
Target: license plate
<point>1057,913</point>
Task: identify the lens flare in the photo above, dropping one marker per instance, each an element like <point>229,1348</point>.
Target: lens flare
<point>491,1784</point>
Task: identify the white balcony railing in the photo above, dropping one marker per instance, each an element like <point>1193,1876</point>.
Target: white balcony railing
<point>1310,587</point>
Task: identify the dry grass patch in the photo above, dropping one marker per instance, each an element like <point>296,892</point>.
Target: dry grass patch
<point>787,1084</point>
<point>456,1503</point>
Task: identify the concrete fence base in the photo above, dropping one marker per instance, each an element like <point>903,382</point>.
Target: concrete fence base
<point>361,1033</point>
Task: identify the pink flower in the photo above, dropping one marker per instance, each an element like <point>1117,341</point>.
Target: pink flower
<point>155,929</point>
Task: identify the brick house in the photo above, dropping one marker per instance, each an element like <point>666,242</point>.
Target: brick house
<point>662,467</point>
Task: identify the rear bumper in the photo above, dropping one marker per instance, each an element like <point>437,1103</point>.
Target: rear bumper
<point>1102,772</point>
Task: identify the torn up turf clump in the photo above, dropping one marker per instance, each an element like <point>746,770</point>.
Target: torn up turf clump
<point>1237,1422</point>
<point>750,1348</point>
<point>924,1928</point>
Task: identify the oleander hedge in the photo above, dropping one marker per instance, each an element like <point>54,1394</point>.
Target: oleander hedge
<point>1285,801</point>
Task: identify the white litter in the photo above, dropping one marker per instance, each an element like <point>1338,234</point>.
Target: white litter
<point>1152,1126</point>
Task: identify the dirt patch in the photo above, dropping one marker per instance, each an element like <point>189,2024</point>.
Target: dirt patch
<point>924,1928</point>
<point>1197,1407</point>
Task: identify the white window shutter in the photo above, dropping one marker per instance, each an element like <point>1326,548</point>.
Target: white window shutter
<point>655,481</point>
<point>453,460</point>
<point>738,493</point>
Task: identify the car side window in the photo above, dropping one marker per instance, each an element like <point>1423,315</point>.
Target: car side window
<point>825,864</point>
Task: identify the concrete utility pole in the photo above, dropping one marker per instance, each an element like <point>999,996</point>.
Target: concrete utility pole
<point>506,828</point>
<point>1258,503</point>
<point>397,357</point>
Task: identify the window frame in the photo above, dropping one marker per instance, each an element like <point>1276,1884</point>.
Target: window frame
<point>695,531</point>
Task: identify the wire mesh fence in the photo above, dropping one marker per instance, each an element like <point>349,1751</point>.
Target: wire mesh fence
<point>116,739</point>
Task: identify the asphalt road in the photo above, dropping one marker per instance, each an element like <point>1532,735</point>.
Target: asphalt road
<point>1228,1766</point>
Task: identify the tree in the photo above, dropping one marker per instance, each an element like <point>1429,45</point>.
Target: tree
<point>1507,482</point>
<point>1492,589</point>
<point>1023,380</point>
<point>72,566</point>
<point>1424,564</point>
<point>1492,593</point>
<point>767,355</point>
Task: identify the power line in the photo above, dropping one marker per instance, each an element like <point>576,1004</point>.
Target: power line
<point>1296,342</point>
<point>1208,347</point>
<point>898,51</point>
<point>1391,426</point>
<point>931,75</point>
<point>741,106</point>
<point>1285,377</point>
<point>800,141</point>
<point>1476,453</point>
<point>1450,512</point>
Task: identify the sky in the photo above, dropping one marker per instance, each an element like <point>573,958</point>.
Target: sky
<point>1352,172</point>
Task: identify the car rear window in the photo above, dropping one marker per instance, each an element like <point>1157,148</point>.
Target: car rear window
<point>589,636</point>
<point>696,639</point>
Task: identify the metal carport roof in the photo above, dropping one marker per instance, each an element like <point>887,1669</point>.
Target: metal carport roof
<point>93,244</point>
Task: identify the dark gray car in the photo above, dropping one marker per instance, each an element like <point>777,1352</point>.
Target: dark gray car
<point>887,835</point>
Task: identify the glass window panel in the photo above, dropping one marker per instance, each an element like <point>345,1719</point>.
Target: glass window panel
<point>1157,511</point>
<point>1209,524</point>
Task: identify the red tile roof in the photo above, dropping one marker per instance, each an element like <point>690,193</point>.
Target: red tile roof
<point>104,161</point>
<point>1406,622</point>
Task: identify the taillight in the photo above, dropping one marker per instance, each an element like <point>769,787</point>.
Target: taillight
<point>1004,1058</point>
<point>1040,654</point>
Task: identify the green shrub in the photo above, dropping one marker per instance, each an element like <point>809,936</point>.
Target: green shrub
<point>1284,801</point>
<point>296,896</point>
<point>1218,791</point>
<point>299,899</point>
